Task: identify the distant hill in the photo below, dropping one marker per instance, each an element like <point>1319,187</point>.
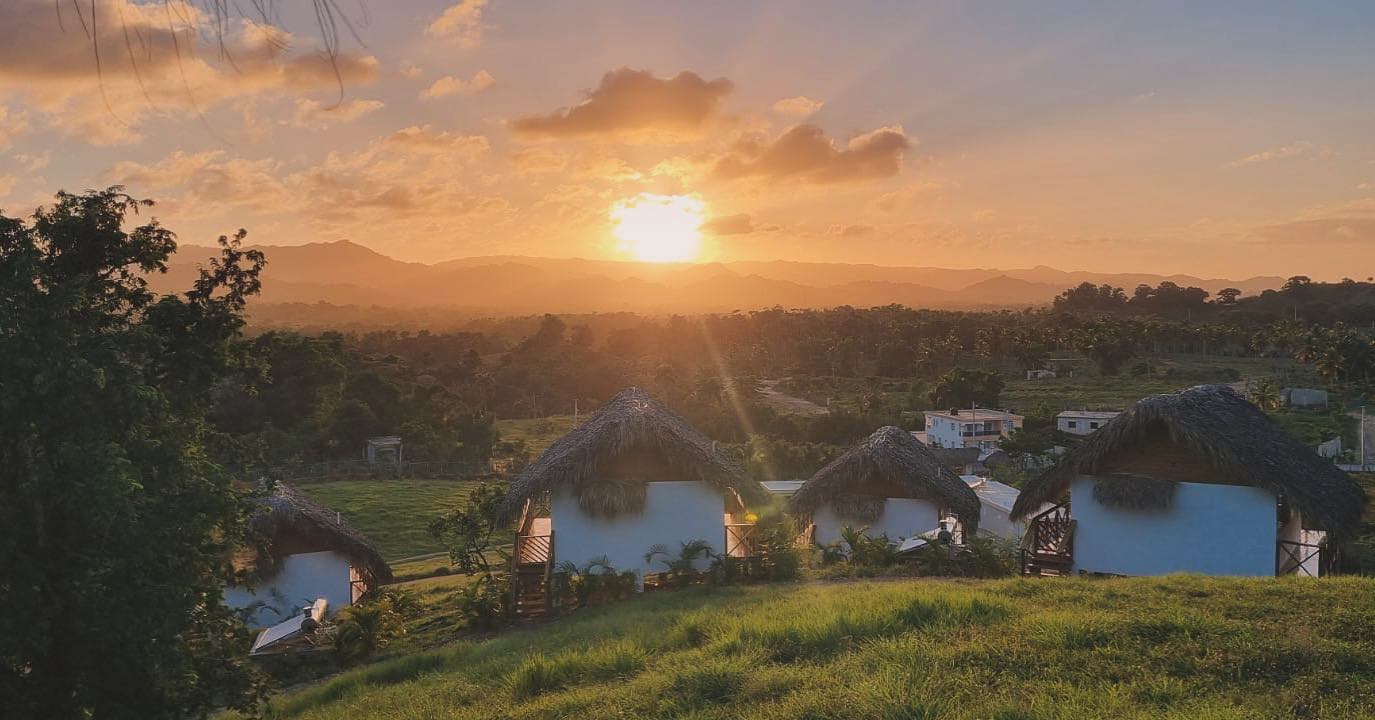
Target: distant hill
<point>344,273</point>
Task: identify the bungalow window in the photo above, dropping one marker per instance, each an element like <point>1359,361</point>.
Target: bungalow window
<point>1093,426</point>
<point>1072,424</point>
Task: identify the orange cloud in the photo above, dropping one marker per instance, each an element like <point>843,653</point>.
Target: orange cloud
<point>741,224</point>
<point>315,114</point>
<point>425,140</point>
<point>805,153</point>
<point>630,101</point>
<point>460,24</point>
<point>12,124</point>
<point>450,85</point>
<point>150,65</point>
<point>800,106</point>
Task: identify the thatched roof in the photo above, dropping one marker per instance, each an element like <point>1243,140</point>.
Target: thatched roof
<point>890,457</point>
<point>1219,427</point>
<point>956,458</point>
<point>289,510</point>
<point>629,438</point>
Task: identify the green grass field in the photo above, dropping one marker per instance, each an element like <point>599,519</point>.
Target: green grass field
<point>1180,647</point>
<point>394,514</point>
<point>538,434</point>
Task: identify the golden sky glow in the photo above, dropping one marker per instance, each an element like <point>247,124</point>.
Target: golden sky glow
<point>659,228</point>
<point>1112,136</point>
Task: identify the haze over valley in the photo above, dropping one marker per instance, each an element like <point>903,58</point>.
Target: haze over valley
<point>345,273</point>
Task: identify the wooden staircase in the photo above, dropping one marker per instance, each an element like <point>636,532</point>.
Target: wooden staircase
<point>1048,547</point>
<point>532,568</point>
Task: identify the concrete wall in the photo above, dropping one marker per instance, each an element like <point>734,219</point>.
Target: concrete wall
<point>300,579</point>
<point>901,518</point>
<point>674,513</point>
<point>1208,529</point>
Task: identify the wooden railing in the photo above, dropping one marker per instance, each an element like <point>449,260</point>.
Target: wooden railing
<point>739,540</point>
<point>530,549</point>
<point>1305,559</point>
<point>532,584</point>
<point>1049,541</point>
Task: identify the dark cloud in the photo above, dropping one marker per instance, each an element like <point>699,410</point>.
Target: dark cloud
<point>740,224</point>
<point>630,101</point>
<point>805,153</point>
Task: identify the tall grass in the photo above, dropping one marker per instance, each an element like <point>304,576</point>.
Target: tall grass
<point>1180,647</point>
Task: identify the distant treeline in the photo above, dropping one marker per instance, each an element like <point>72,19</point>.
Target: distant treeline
<point>319,397</point>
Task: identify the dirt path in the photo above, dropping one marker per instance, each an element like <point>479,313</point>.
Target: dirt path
<point>788,403</point>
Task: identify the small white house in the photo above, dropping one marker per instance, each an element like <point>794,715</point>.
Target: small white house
<point>1083,422</point>
<point>972,427</point>
<point>633,476</point>
<point>311,553</point>
<point>995,507</point>
<point>1199,481</point>
<point>890,484</point>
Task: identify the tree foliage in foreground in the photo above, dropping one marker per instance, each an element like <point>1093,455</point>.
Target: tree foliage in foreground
<point>115,521</point>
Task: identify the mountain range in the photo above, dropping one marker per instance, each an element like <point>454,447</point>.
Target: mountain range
<point>344,273</point>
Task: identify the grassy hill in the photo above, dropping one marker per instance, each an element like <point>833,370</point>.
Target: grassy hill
<point>1180,647</point>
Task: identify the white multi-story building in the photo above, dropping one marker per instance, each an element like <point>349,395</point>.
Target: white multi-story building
<point>975,427</point>
<point>1083,422</point>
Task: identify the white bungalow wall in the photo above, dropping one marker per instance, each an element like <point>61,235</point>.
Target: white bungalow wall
<point>300,579</point>
<point>901,518</point>
<point>674,513</point>
<point>1208,529</point>
<point>1293,531</point>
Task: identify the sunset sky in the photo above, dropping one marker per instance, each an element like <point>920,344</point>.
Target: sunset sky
<point>1225,139</point>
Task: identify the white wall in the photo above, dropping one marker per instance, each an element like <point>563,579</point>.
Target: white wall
<point>998,522</point>
<point>901,518</point>
<point>300,579</point>
<point>1208,529</point>
<point>674,513</point>
<point>944,432</point>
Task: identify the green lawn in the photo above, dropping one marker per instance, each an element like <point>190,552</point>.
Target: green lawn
<point>1179,647</point>
<point>394,514</point>
<point>538,433</point>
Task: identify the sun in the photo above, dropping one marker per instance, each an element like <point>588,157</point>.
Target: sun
<point>659,228</point>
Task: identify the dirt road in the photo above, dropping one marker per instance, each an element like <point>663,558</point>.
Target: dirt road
<point>787,403</point>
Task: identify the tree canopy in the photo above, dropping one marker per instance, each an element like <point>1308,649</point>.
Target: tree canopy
<point>116,521</point>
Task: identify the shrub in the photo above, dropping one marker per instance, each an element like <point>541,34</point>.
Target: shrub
<point>775,548</point>
<point>596,582</point>
<point>869,551</point>
<point>683,569</point>
<point>366,627</point>
<point>486,604</point>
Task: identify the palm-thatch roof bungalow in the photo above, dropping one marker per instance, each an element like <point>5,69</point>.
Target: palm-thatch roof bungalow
<point>311,553</point>
<point>634,475</point>
<point>890,483</point>
<point>1196,481</point>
